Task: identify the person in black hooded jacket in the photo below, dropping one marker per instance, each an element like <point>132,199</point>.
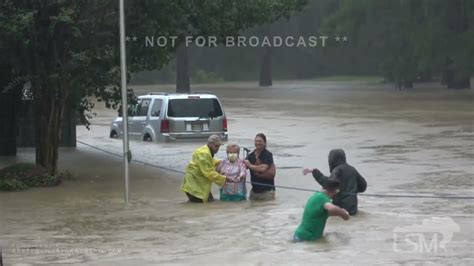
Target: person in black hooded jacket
<point>351,181</point>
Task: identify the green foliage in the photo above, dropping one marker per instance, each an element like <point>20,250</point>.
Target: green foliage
<point>12,185</point>
<point>403,41</point>
<point>411,37</point>
<point>69,50</point>
<point>243,63</point>
<point>22,176</point>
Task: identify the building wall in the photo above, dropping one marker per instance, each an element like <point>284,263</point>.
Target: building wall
<point>8,118</point>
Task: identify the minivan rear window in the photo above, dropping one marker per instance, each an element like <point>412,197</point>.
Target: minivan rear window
<point>208,108</point>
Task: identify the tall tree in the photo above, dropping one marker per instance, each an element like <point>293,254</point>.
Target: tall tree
<point>227,18</point>
<point>182,70</point>
<point>266,63</point>
<point>412,38</point>
<point>68,50</point>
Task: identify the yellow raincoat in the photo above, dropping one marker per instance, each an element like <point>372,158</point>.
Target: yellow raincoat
<point>200,174</point>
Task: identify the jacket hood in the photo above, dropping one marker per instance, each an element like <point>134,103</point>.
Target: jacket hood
<point>336,158</point>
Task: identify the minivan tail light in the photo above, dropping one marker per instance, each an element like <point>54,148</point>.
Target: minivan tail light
<point>224,123</point>
<point>165,126</point>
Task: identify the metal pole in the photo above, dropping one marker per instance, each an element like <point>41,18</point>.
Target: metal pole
<point>123,68</point>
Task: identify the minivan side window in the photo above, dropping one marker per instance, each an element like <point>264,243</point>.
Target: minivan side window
<point>204,108</point>
<point>144,107</point>
<point>156,108</point>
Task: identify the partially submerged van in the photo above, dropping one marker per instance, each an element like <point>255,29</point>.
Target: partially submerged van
<point>164,117</point>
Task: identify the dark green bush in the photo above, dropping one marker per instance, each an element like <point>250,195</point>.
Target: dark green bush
<point>22,176</point>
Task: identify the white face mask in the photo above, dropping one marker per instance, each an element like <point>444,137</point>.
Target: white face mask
<point>232,157</point>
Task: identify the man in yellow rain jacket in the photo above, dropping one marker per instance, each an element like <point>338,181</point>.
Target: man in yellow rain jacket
<point>201,172</point>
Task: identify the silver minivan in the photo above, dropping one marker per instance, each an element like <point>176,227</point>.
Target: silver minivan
<point>165,117</point>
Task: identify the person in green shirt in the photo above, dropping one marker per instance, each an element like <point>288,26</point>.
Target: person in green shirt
<point>317,210</point>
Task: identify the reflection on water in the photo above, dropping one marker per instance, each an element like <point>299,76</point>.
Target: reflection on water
<point>402,142</point>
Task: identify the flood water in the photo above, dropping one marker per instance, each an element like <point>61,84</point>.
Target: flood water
<point>403,142</point>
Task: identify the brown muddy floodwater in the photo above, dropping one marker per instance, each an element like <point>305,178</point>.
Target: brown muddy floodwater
<point>409,142</point>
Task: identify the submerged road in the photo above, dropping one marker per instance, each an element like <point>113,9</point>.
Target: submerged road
<point>409,142</point>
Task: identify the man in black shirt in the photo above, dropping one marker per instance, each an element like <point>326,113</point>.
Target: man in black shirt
<point>262,170</point>
<point>351,181</point>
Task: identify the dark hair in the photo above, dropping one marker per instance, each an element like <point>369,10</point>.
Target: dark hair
<point>262,136</point>
<point>331,184</point>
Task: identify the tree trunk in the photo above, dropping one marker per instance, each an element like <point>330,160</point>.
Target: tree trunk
<point>266,68</point>
<point>182,70</point>
<point>407,84</point>
<point>398,84</point>
<point>453,81</point>
<point>49,111</point>
<point>460,83</point>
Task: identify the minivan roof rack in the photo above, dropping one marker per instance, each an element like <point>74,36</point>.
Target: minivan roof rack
<point>158,93</point>
<point>201,92</point>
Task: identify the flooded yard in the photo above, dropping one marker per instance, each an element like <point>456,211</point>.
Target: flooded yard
<point>417,142</point>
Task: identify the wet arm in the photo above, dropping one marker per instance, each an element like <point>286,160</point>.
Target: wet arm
<point>320,178</point>
<point>219,167</point>
<point>243,170</point>
<point>333,210</point>
<point>258,168</point>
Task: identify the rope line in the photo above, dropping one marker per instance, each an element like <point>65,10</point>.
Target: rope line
<point>286,187</point>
